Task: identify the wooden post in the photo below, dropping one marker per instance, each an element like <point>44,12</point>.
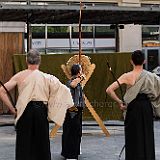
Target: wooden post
<point>29,31</point>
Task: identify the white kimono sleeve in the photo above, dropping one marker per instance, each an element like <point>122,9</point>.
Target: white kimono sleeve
<point>60,100</point>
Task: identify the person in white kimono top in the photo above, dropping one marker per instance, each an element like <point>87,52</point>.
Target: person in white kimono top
<point>41,97</point>
<point>143,91</point>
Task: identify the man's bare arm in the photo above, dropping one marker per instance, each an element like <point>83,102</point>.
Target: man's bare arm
<point>75,82</point>
<point>111,89</point>
<point>3,95</point>
<point>111,92</point>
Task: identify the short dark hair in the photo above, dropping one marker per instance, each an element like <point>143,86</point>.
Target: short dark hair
<point>75,69</point>
<point>33,57</point>
<point>138,57</point>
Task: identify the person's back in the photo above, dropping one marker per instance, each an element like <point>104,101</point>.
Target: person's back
<point>39,98</point>
<point>32,87</point>
<point>130,78</point>
<point>139,135</point>
<point>36,78</point>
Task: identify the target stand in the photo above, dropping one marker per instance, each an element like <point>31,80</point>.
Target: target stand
<point>88,70</point>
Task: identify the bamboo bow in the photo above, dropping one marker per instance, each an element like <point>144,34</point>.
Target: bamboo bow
<point>80,31</point>
<point>110,69</point>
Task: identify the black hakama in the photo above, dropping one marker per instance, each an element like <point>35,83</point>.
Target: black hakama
<point>72,133</point>
<point>32,142</point>
<point>139,134</point>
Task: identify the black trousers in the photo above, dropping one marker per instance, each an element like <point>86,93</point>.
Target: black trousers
<point>32,141</point>
<point>139,135</point>
<point>72,133</point>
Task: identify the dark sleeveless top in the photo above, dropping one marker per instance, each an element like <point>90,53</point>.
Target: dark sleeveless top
<point>77,94</point>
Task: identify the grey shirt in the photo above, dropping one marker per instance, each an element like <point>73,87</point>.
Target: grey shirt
<point>77,94</point>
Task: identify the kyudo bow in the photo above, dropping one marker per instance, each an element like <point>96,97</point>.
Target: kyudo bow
<point>110,69</point>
